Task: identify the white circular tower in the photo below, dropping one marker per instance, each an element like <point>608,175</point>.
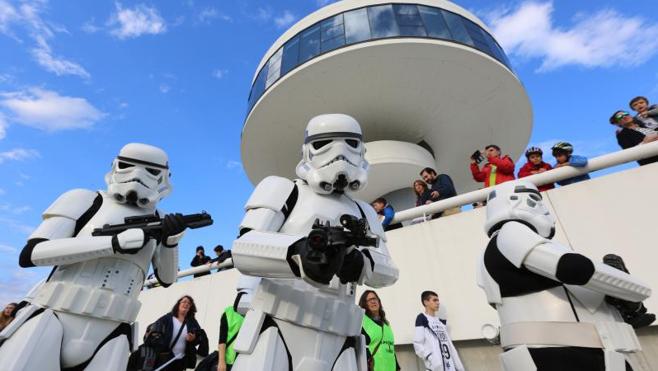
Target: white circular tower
<point>424,78</point>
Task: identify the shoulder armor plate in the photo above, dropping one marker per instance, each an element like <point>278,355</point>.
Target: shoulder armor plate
<point>272,193</point>
<point>71,204</point>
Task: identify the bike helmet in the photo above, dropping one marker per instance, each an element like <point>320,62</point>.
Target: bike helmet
<point>562,147</point>
<point>533,150</point>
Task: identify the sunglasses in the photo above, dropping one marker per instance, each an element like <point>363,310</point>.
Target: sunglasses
<point>621,115</point>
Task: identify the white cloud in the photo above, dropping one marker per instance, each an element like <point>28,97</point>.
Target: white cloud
<point>232,164</point>
<point>8,15</point>
<point>2,192</point>
<point>17,282</point>
<point>6,78</point>
<point>3,126</point>
<point>219,73</point>
<point>58,65</point>
<point>263,14</point>
<point>49,111</point>
<point>6,249</point>
<point>603,39</point>
<point>90,26</point>
<point>28,16</point>
<point>17,226</point>
<point>208,15</point>
<point>137,21</point>
<point>164,88</point>
<point>284,19</point>
<point>17,154</point>
<point>322,3</point>
<point>17,210</point>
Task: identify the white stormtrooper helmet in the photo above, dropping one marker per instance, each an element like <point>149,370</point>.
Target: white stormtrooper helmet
<point>333,155</point>
<point>139,175</point>
<point>518,201</point>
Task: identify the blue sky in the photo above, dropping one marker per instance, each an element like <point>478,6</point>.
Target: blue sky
<point>79,79</point>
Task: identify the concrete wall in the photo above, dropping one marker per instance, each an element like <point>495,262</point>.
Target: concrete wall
<point>611,214</point>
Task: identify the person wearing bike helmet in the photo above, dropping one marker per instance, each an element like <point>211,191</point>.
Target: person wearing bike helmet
<point>563,153</point>
<point>535,165</point>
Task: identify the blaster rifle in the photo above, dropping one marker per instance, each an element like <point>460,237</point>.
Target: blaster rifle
<point>152,224</point>
<point>328,240</point>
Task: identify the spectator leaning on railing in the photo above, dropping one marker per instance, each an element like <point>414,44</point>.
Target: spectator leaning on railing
<point>423,196</point>
<point>646,114</point>
<point>386,214</point>
<point>632,134</point>
<point>563,153</point>
<point>498,169</point>
<point>535,165</point>
<point>441,188</point>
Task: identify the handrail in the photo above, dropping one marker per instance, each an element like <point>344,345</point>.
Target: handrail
<point>228,263</point>
<point>597,163</point>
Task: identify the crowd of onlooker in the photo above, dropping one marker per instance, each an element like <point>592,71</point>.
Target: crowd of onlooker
<point>490,167</point>
<point>173,342</point>
<point>639,129</point>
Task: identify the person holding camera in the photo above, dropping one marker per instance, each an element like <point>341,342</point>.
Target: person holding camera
<point>200,258</point>
<point>498,169</point>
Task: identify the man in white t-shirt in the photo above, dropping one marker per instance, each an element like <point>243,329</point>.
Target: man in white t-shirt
<point>431,340</point>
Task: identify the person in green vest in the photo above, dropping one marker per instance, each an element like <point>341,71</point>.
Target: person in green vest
<point>229,327</point>
<point>378,334</point>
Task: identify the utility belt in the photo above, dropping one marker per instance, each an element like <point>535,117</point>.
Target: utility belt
<point>607,335</point>
<point>303,305</point>
<point>88,301</point>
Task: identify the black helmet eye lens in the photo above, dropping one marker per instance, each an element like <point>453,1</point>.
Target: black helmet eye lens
<point>320,143</point>
<point>352,142</point>
<point>535,197</point>
<point>153,171</point>
<point>124,165</point>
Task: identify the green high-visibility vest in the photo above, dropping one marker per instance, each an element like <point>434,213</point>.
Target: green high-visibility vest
<point>492,175</point>
<point>234,321</point>
<point>382,344</point>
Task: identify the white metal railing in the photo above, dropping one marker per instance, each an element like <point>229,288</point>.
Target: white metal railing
<point>228,263</point>
<point>597,163</point>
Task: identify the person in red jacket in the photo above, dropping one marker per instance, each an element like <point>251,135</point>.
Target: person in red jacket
<point>497,170</point>
<point>535,165</point>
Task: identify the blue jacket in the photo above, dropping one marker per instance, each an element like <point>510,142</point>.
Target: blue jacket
<point>388,213</point>
<point>575,161</point>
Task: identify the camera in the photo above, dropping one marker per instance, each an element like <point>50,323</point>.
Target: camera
<point>477,156</point>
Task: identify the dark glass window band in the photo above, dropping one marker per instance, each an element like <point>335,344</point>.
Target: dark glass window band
<point>369,23</point>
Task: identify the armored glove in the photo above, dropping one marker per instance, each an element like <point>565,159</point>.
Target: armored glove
<point>352,267</point>
<point>173,228</point>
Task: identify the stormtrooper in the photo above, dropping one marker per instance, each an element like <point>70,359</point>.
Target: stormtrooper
<point>312,244</point>
<point>551,301</point>
<point>81,316</point>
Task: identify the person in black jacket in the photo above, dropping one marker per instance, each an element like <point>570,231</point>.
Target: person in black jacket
<point>200,259</point>
<point>182,335</point>
<point>441,189</point>
<point>632,133</point>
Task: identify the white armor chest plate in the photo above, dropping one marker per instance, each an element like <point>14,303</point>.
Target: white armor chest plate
<point>311,206</point>
<point>331,309</point>
<point>105,287</point>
